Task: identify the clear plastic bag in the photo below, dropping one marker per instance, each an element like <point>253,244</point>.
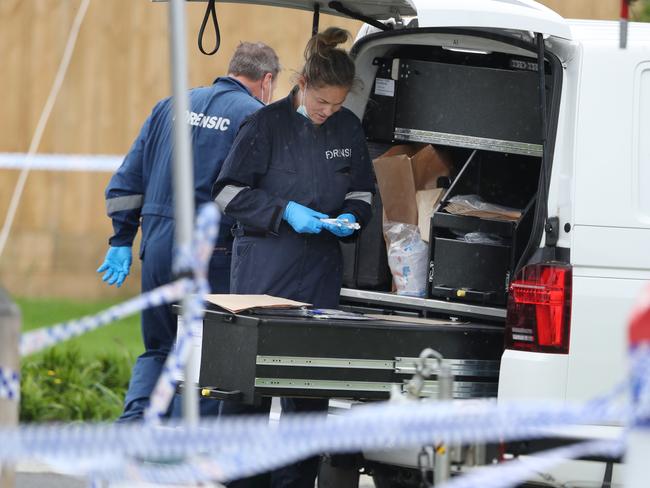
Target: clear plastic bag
<point>476,206</point>
<point>408,258</point>
<point>483,238</point>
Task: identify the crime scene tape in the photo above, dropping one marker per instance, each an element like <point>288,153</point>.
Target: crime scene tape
<point>9,384</point>
<point>196,258</point>
<point>640,385</point>
<point>241,446</point>
<point>37,340</point>
<point>517,471</point>
<point>61,162</point>
<point>234,447</point>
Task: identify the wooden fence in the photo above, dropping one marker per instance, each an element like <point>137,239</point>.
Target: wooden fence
<point>118,71</point>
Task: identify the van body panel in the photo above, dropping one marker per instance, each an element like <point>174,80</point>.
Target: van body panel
<point>598,342</point>
<point>532,375</point>
<point>641,143</point>
<point>521,15</point>
<point>604,137</point>
<point>611,252</point>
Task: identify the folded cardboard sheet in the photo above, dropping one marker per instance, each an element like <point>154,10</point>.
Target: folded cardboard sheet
<point>238,303</point>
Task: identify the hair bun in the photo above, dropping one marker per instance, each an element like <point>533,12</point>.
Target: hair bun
<point>326,40</point>
<point>327,64</point>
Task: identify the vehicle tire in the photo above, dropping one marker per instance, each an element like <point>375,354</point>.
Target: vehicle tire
<point>338,472</point>
<point>393,477</point>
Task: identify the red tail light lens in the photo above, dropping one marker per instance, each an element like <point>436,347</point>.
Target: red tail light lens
<point>539,309</point>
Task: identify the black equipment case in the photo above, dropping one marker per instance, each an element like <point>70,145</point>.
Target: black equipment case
<point>481,271</point>
<point>251,356</point>
<point>490,115</point>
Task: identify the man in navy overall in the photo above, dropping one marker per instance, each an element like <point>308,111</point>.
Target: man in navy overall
<point>140,194</point>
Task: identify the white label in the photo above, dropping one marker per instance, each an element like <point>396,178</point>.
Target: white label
<point>197,343</point>
<point>385,87</point>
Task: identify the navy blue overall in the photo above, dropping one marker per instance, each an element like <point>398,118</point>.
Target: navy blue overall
<point>280,156</point>
<point>140,193</point>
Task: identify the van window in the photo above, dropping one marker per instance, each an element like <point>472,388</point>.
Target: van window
<point>643,129</point>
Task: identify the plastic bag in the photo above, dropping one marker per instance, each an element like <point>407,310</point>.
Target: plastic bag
<point>483,238</point>
<point>476,206</point>
<point>408,258</point>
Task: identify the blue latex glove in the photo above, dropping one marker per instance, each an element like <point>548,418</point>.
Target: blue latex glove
<point>342,231</point>
<point>303,219</point>
<point>117,264</point>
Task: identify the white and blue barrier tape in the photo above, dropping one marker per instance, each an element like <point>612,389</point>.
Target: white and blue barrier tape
<point>640,385</point>
<point>518,471</point>
<point>197,259</point>
<point>236,447</point>
<point>233,447</point>
<point>61,162</point>
<point>9,384</point>
<point>37,340</point>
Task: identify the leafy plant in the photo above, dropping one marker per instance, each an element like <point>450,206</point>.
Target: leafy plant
<point>642,11</point>
<point>63,384</point>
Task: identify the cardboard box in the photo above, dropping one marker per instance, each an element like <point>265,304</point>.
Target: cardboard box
<point>402,172</point>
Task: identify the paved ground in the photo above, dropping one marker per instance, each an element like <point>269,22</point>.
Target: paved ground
<point>38,476</point>
<point>35,475</point>
<point>48,480</point>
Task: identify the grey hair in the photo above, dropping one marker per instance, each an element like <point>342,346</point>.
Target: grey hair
<point>253,60</point>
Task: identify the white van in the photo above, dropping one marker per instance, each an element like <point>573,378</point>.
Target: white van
<point>539,113</point>
<point>568,303</point>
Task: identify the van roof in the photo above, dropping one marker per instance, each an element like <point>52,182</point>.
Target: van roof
<point>609,31</point>
<point>521,15</point>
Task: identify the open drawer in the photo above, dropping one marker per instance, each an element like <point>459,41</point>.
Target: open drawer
<point>251,356</point>
<point>473,258</point>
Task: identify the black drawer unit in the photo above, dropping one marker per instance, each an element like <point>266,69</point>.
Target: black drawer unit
<point>447,100</point>
<point>477,271</point>
<point>274,355</point>
<point>365,262</point>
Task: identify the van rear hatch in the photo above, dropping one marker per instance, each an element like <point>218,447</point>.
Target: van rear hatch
<point>517,15</point>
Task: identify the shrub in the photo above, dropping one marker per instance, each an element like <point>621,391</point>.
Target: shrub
<point>62,384</point>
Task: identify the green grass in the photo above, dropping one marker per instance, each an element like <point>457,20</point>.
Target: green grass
<point>120,336</point>
<point>84,378</point>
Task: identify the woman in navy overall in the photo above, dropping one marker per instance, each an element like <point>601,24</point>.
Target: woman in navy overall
<point>293,163</point>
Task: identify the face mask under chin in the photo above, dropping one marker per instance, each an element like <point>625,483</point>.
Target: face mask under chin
<point>302,110</point>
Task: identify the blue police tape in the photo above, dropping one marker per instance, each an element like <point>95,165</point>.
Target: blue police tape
<point>197,259</point>
<point>640,384</point>
<point>235,447</point>
<point>518,471</point>
<point>501,475</point>
<point>37,340</point>
<point>9,384</point>
<point>241,446</point>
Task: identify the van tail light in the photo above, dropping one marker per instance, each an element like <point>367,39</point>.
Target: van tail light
<point>539,309</point>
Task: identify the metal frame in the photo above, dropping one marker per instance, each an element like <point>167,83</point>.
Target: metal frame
<point>183,183</point>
